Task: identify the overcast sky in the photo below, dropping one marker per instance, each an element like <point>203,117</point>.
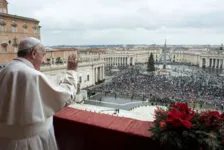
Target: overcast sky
<point>125,21</point>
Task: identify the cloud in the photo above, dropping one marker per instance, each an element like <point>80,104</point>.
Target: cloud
<point>125,21</point>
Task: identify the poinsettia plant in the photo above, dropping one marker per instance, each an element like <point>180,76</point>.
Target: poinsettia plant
<point>180,127</point>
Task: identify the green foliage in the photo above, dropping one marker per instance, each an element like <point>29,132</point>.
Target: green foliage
<point>151,64</point>
<point>175,131</point>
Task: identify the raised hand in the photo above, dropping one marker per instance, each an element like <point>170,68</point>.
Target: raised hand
<point>72,63</point>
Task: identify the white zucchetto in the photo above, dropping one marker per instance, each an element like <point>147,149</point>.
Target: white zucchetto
<point>28,43</point>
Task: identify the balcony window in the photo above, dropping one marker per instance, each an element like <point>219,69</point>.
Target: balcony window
<point>14,26</point>
<point>14,29</point>
<point>34,31</point>
<point>2,25</point>
<point>2,28</point>
<point>25,30</point>
<point>35,28</point>
<point>25,26</point>
<point>15,49</point>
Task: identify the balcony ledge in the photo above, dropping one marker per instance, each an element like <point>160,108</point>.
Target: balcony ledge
<point>82,130</point>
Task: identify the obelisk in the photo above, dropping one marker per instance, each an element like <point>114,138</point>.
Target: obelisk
<point>164,55</point>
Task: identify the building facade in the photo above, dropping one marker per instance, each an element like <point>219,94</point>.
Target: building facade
<point>14,28</point>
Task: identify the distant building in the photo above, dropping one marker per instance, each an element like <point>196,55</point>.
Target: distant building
<point>14,28</point>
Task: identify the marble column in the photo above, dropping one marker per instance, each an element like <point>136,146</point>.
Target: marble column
<point>96,75</point>
<point>220,63</point>
<point>101,73</point>
<point>215,63</point>
<point>210,62</point>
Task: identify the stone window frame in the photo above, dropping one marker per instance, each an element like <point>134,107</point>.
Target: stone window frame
<point>14,25</point>
<point>2,24</point>
<point>25,27</point>
<point>35,28</point>
<point>15,42</point>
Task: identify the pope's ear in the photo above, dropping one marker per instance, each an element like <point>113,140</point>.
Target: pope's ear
<point>33,53</point>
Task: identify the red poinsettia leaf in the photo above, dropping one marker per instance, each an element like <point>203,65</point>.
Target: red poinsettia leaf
<point>187,124</point>
<point>188,117</point>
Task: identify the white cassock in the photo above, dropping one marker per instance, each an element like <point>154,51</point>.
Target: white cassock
<point>28,101</point>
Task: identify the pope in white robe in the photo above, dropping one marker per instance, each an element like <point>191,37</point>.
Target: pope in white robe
<point>28,99</point>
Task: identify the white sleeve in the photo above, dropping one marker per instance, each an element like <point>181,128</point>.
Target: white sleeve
<point>69,82</point>
<point>55,97</point>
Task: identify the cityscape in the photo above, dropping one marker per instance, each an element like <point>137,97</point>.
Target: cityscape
<point>120,84</point>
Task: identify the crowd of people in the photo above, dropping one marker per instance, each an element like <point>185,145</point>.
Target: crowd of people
<point>189,85</point>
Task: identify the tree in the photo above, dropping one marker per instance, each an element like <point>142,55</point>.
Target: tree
<point>151,66</point>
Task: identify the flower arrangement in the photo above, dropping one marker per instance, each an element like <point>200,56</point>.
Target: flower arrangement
<point>180,127</point>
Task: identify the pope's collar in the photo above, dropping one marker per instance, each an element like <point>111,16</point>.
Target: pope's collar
<point>27,62</point>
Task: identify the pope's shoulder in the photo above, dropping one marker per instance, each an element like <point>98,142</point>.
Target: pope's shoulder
<point>20,68</point>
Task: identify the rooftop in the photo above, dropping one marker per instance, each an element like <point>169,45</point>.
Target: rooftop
<point>18,17</point>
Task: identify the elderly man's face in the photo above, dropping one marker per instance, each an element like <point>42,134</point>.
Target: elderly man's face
<point>39,57</point>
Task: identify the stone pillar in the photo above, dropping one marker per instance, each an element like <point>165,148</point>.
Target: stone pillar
<point>200,64</point>
<point>207,62</point>
<point>101,73</point>
<point>102,68</point>
<point>220,63</point>
<point>94,75</point>
<point>96,79</point>
<point>215,63</point>
<point>210,62</point>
